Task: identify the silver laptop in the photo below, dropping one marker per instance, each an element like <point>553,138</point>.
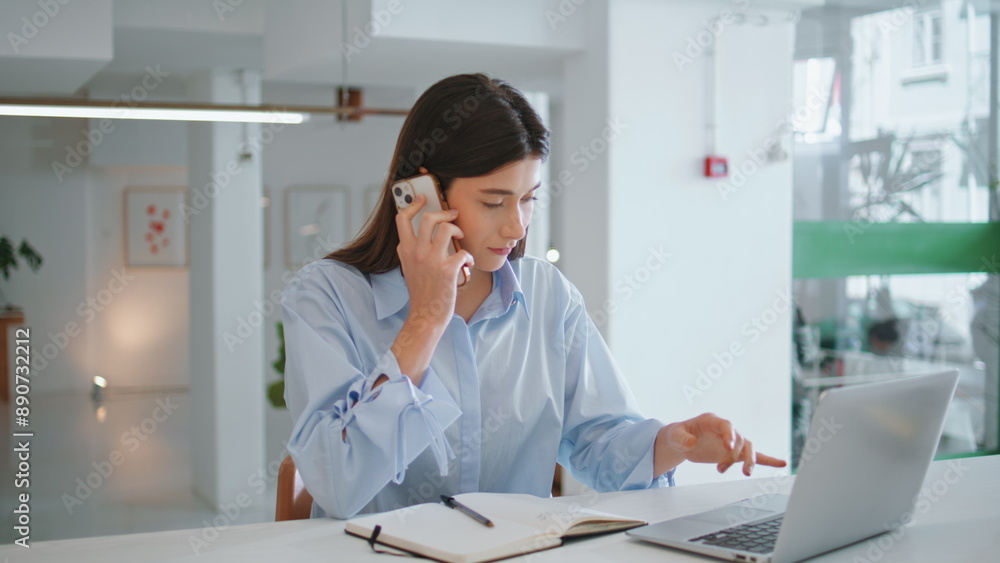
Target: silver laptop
<point>862,466</point>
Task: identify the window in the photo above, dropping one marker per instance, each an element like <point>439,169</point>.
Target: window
<point>817,90</point>
<point>927,42</point>
<point>897,218</point>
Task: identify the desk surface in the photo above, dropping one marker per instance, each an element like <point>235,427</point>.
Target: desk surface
<point>957,519</point>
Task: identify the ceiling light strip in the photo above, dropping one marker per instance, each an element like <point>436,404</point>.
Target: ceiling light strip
<point>100,109</point>
<point>166,114</point>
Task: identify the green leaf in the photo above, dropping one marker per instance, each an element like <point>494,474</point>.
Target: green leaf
<point>279,364</point>
<point>30,255</point>
<point>276,390</point>
<point>8,261</point>
<point>276,394</point>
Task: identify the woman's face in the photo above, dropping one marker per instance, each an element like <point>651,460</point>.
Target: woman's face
<point>494,210</point>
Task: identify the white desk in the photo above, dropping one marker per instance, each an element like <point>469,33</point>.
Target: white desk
<point>960,522</point>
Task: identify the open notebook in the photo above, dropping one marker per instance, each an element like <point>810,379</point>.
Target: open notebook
<point>522,524</point>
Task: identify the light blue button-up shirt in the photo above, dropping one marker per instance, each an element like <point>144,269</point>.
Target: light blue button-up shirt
<point>528,381</point>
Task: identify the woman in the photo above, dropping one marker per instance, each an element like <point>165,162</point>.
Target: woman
<point>403,387</point>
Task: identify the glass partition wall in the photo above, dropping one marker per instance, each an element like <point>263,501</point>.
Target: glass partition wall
<point>895,204</point>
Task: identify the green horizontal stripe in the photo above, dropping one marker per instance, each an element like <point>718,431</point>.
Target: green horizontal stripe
<point>981,453</point>
<point>840,249</point>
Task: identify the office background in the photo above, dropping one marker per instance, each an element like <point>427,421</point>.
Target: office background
<point>690,279</point>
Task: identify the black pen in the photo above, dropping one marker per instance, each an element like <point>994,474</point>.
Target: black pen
<point>450,502</point>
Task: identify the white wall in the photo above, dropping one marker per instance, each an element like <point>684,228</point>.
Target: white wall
<point>128,325</point>
<point>237,17</point>
<point>513,22</point>
<point>64,178</point>
<point>729,256</point>
<point>35,205</point>
<point>53,48</point>
<point>139,338</point>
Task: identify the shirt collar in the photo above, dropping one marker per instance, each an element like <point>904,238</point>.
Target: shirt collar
<point>389,289</point>
<point>506,278</point>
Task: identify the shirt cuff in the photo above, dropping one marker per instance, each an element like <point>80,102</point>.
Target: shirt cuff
<point>428,410</point>
<point>642,476</point>
<point>431,394</point>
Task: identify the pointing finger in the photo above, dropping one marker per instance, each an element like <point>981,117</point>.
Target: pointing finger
<point>764,459</point>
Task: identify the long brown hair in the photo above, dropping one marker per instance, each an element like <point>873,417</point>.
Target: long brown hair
<point>464,126</point>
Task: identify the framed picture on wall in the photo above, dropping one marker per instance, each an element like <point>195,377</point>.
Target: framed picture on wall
<point>316,222</point>
<point>155,232</point>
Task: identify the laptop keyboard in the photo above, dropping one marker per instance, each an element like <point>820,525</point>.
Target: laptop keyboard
<point>755,538</point>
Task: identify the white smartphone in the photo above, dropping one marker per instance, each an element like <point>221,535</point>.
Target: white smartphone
<point>405,192</point>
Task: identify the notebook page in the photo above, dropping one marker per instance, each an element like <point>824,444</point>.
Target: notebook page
<point>444,533</point>
<point>551,517</point>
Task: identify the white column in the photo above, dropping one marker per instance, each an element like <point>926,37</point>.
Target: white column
<point>227,356</point>
<point>580,174</point>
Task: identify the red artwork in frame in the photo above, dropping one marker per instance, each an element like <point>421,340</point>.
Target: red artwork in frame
<point>155,231</point>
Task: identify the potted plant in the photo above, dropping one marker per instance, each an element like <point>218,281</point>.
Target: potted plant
<point>9,261</point>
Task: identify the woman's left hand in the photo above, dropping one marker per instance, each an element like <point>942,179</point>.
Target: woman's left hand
<point>707,438</point>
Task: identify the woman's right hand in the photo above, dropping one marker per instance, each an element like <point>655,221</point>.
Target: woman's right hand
<point>430,273</point>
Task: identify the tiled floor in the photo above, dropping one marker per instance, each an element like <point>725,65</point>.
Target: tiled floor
<point>108,470</point>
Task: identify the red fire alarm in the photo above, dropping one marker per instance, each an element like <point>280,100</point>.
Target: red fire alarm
<point>716,167</point>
